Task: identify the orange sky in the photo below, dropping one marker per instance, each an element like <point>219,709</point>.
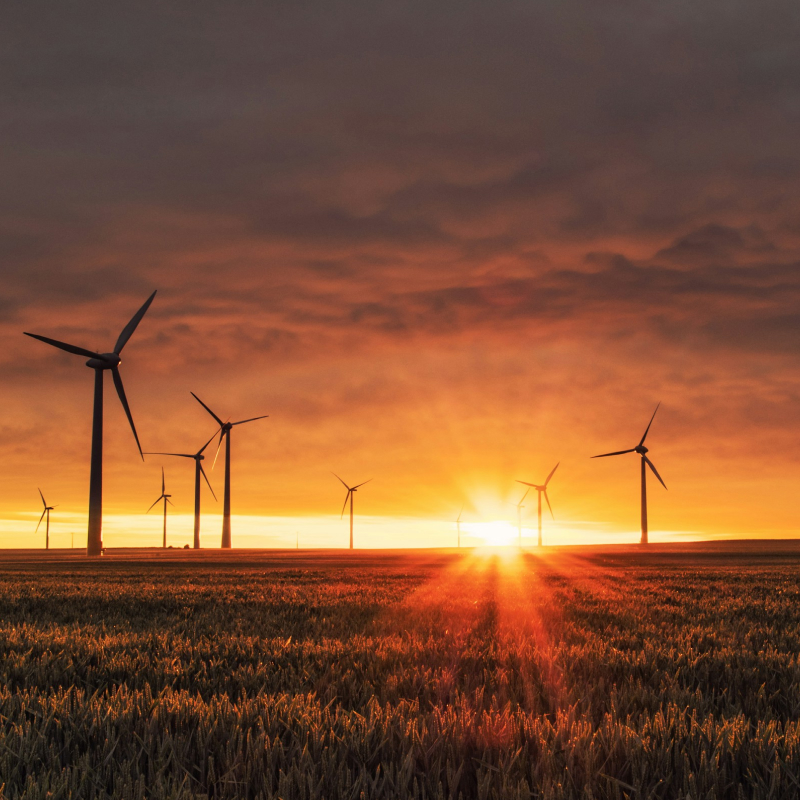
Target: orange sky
<point>441,248</point>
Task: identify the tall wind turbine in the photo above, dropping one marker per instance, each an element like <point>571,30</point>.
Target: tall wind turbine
<point>541,489</point>
<point>47,510</point>
<point>100,362</point>
<point>642,451</point>
<point>351,490</point>
<point>198,471</point>
<point>166,498</point>
<point>225,431</point>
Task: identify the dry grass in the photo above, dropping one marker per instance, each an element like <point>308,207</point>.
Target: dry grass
<point>666,674</point>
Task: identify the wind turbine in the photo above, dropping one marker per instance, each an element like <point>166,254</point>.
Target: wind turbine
<point>458,525</point>
<point>225,431</point>
<point>198,471</point>
<point>351,490</point>
<point>166,498</point>
<point>642,451</point>
<point>100,362</point>
<point>541,489</point>
<point>47,510</point>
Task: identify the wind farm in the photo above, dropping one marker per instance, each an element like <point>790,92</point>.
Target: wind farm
<point>454,252</point>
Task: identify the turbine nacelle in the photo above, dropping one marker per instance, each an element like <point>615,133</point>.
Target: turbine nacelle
<point>104,361</point>
<point>641,450</point>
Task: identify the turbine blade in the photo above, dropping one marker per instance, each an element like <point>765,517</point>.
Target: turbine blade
<point>154,504</point>
<point>203,472</point>
<point>341,481</point>
<point>252,419</point>
<point>180,455</point>
<point>548,504</point>
<point>459,514</point>
<point>221,423</point>
<point>362,484</point>
<point>170,502</point>
<point>200,451</point>
<point>70,348</point>
<point>221,434</point>
<point>40,520</point>
<point>346,498</point>
<point>655,471</point>
<point>42,496</point>
<point>551,474</point>
<point>128,330</point>
<point>524,496</point>
<point>525,483</point>
<point>121,393</point>
<point>617,453</point>
<point>648,426</point>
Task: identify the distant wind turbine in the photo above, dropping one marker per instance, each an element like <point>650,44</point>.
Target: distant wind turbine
<point>642,451</point>
<point>166,498</point>
<point>198,471</point>
<point>46,512</point>
<point>351,490</point>
<point>519,515</point>
<point>225,431</point>
<point>458,525</point>
<point>100,362</point>
<point>541,489</point>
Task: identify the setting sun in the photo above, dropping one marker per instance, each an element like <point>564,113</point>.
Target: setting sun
<point>494,534</point>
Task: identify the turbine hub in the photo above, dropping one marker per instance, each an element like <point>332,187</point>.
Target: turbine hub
<point>106,361</point>
<point>641,450</point>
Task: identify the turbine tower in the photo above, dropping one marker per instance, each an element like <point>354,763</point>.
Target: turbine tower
<point>166,498</point>
<point>100,362</point>
<point>198,471</point>
<point>47,510</point>
<point>225,431</point>
<point>458,525</point>
<point>642,451</point>
<point>351,490</point>
<point>541,489</point>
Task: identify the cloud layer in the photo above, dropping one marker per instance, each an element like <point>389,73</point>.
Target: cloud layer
<point>441,245</point>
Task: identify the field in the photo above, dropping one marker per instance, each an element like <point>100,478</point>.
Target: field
<point>603,672</point>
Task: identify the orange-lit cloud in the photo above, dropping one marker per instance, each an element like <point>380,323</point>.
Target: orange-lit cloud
<point>441,247</point>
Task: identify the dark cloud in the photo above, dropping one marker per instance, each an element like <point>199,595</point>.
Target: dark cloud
<point>460,219</point>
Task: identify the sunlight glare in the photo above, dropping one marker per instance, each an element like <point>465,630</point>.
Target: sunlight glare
<point>493,534</point>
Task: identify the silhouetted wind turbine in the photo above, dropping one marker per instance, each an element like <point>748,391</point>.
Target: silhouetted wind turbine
<point>47,510</point>
<point>166,498</point>
<point>349,496</point>
<point>642,451</point>
<point>100,362</point>
<point>198,471</point>
<point>225,430</point>
<point>541,489</point>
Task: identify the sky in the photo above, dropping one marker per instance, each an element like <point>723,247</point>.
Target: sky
<point>443,246</point>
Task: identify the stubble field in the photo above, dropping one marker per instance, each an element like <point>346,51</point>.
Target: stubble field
<point>604,672</point>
